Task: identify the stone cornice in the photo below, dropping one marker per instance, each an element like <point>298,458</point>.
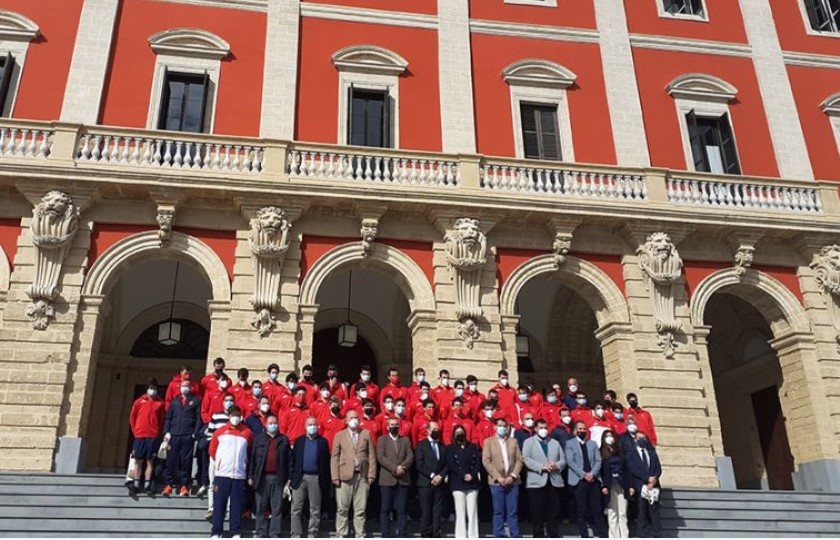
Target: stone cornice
<point>700,46</point>
<point>533,31</point>
<point>369,16</point>
<point>811,60</point>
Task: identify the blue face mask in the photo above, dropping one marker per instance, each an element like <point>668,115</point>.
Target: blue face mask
<point>501,431</point>
<point>272,429</point>
<point>228,405</point>
<point>273,376</point>
<point>618,416</point>
<point>257,391</point>
<point>312,430</point>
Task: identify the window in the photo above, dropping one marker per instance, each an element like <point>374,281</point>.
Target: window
<point>370,118</point>
<point>712,144</point>
<point>684,7</point>
<point>184,102</point>
<point>540,137</point>
<point>823,15</point>
<point>6,70</point>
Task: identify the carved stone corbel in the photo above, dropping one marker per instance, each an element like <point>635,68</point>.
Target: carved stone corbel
<point>269,241</point>
<point>165,220</point>
<point>661,267</point>
<point>466,254</point>
<point>370,226</point>
<point>563,228</point>
<point>744,247</point>
<point>55,220</point>
<point>826,266</point>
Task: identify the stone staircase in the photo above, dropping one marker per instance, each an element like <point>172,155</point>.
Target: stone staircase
<point>51,505</point>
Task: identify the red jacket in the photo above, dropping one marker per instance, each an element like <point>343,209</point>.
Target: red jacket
<point>550,413</point>
<point>507,395</point>
<point>353,404</point>
<point>249,404</point>
<point>174,389</point>
<point>372,391</point>
<point>645,422</point>
<point>395,392</point>
<point>320,408</point>
<point>270,387</point>
<point>213,402</point>
<point>281,398</point>
<point>483,431</point>
<point>443,396</point>
<point>474,401</point>
<point>330,426</point>
<point>371,425</point>
<point>584,414</point>
<point>339,390</point>
<point>293,422</point>
<point>312,392</point>
<point>519,411</point>
<point>208,383</point>
<point>240,392</point>
<point>420,429</point>
<point>146,418</point>
<point>449,426</point>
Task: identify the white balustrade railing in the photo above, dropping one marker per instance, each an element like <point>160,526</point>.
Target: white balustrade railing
<point>170,153</point>
<point>743,195</point>
<point>373,168</point>
<point>23,142</point>
<point>563,182</point>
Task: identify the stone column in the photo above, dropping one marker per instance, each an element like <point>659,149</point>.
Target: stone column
<point>423,324</point>
<point>306,333</point>
<point>455,61</point>
<point>281,69</point>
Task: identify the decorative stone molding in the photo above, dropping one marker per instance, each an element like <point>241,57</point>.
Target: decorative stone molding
<point>744,259</point>
<point>16,27</point>
<point>165,220</point>
<point>743,244</point>
<point>702,87</point>
<point>561,247</point>
<point>191,42</point>
<point>370,227</point>
<point>538,72</point>
<point>661,266</point>
<point>369,59</point>
<point>466,254</point>
<point>826,266</point>
<point>269,242</point>
<point>55,221</point>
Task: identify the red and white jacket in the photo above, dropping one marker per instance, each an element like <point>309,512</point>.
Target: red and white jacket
<point>229,449</point>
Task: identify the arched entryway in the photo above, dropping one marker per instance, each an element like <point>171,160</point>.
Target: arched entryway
<point>757,343</point>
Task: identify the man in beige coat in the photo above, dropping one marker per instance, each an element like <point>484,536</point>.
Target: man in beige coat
<point>353,468</point>
<point>395,459</point>
<point>503,462</point>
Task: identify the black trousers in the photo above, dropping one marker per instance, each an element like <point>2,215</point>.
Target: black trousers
<point>647,520</point>
<point>589,509</point>
<point>432,503</point>
<point>544,504</point>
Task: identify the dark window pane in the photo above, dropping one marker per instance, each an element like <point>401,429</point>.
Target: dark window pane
<point>712,144</point>
<point>369,120</point>
<point>6,70</point>
<point>540,137</point>
<point>684,7</point>
<point>184,100</point>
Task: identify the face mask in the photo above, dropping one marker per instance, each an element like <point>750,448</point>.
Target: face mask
<point>643,443</point>
<point>459,392</point>
<point>420,379</point>
<point>312,430</point>
<point>632,428</point>
<point>185,390</point>
<point>634,403</point>
<point>273,375</point>
<point>243,382</point>
<point>582,435</point>
<point>582,402</point>
<point>543,433</point>
<point>299,399</point>
<point>363,394</point>
<point>264,408</point>
<point>307,378</point>
<point>353,423</point>
<point>223,384</point>
<point>599,413</point>
<point>151,392</point>
<point>444,381</point>
<point>552,398</point>
<point>389,406</point>
<point>291,385</point>
<point>573,388</point>
<point>228,405</point>
<point>473,388</point>
<point>395,380</point>
<point>366,377</point>
<point>394,431</point>
<point>235,420</point>
<point>618,416</point>
<point>504,382</point>
<point>609,440</point>
<point>424,396</point>
<point>501,431</point>
<point>434,434</point>
<point>335,410</point>
<point>332,377</point>
<point>219,370</point>
<point>325,394</point>
<point>566,420</point>
<point>460,438</point>
<point>257,391</point>
<point>529,423</point>
<point>523,397</point>
<point>369,412</point>
<point>399,410</point>
<point>272,429</point>
<point>488,414</point>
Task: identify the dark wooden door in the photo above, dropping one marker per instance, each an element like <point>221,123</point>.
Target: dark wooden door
<point>349,360</point>
<point>772,434</point>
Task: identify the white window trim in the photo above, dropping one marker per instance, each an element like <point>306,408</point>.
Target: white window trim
<point>831,107</point>
<point>16,33</point>
<point>18,50</point>
<point>540,3</point>
<point>190,51</point>
<point>368,67</point>
<point>810,31</point>
<point>660,7</point>
<point>540,82</point>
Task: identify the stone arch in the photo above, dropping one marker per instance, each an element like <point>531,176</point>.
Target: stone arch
<point>593,284</point>
<point>189,249</point>
<point>406,273</point>
<point>768,295</point>
<point>17,27</point>
<point>369,58</point>
<point>5,271</point>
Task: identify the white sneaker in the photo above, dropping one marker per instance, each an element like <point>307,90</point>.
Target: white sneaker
<point>202,491</point>
<point>236,536</point>
<point>209,515</point>
<point>215,536</point>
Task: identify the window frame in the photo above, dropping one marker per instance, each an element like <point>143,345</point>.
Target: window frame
<point>387,124</point>
<point>806,20</point>
<point>704,109</point>
<point>663,13</point>
<point>537,3</point>
<point>205,85</point>
<point>187,66</point>
<point>831,108</point>
<point>17,50</point>
<point>559,148</point>
<point>720,120</point>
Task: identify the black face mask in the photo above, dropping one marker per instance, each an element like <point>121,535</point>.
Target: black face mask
<point>219,371</point>
<point>307,378</point>
<point>460,438</point>
<point>369,412</point>
<point>582,436</point>
<point>394,431</point>
<point>335,410</point>
<point>435,434</point>
<point>634,404</point>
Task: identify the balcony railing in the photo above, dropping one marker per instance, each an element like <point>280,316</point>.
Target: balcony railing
<point>528,182</point>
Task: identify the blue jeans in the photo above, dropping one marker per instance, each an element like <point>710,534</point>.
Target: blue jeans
<point>505,508</point>
<point>395,497</point>
<point>224,490</point>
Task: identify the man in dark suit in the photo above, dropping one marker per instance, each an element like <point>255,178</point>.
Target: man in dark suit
<point>429,458</point>
<point>395,457</point>
<point>584,463</point>
<point>268,472</point>
<point>309,478</point>
<point>645,470</point>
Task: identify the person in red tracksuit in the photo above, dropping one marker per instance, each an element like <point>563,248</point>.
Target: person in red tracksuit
<point>309,383</point>
<point>643,418</point>
<point>443,394</point>
<point>174,389</point>
<point>250,402</point>
<point>240,388</point>
<point>521,407</point>
<point>146,421</point>
<point>213,401</point>
<point>582,412</point>
<point>356,403</point>
<point>506,393</point>
<point>210,381</point>
<point>486,427</point>
<point>550,411</point>
<point>283,396</point>
<point>365,375</point>
<point>400,412</point>
<point>599,422</point>
<point>333,422</point>
<point>337,388</point>
<point>617,420</point>
<point>293,419</point>
<point>273,383</point>
<point>414,389</point>
<point>394,388</point>
<point>320,408</point>
<point>420,427</point>
<point>415,404</point>
<point>457,418</point>
<point>386,412</point>
<point>609,398</point>
<point>367,420</point>
<point>473,398</point>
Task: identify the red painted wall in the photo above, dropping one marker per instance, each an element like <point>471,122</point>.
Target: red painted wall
<point>428,7</point>
<point>129,85</point>
<point>725,21</point>
<point>44,76</point>
<point>105,235</point>
<point>575,13</point>
<point>792,27</point>
<point>314,247</point>
<point>9,232</point>
<point>317,113</point>
<point>509,259</point>
<point>591,128</point>
<point>656,69</point>
<point>697,271</point>
<point>811,86</point>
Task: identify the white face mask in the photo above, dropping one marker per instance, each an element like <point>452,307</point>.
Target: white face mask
<point>473,388</point>
<point>444,381</point>
<point>566,419</point>
<point>399,410</point>
<point>243,383</point>
<point>488,414</point>
<point>424,396</point>
<point>235,420</point>
<point>529,422</point>
<point>573,388</point>
<point>228,405</point>
<point>609,440</point>
<point>504,382</point>
<point>185,390</point>
<point>632,428</point>
<point>325,394</point>
<point>543,433</point>
<point>389,406</point>
<point>363,394</point>
<point>523,397</point>
<point>223,384</point>
<point>265,407</point>
<point>292,385</point>
<point>459,392</point>
<point>151,392</point>
<point>366,377</point>
<point>420,378</point>
<point>353,423</point>
<point>552,398</point>
<point>599,413</point>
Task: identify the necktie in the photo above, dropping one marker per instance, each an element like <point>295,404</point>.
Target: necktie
<point>647,460</point>
<point>435,448</point>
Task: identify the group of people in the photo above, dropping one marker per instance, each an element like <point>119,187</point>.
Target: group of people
<point>257,443</point>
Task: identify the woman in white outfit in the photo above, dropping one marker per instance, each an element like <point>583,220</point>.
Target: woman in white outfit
<point>463,462</point>
<point>615,485</point>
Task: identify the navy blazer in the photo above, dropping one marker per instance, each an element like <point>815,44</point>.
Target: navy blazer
<point>613,471</point>
<point>296,465</point>
<point>461,462</point>
<point>638,471</point>
<point>427,464</point>
<point>184,419</point>
<point>561,435</point>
